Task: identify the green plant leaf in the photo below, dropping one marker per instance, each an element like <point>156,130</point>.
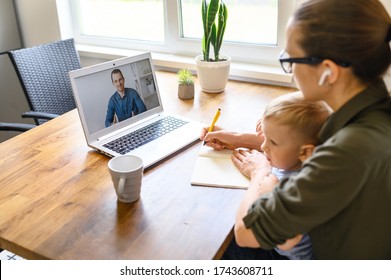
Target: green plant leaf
<point>221,23</point>
<point>212,10</point>
<point>205,40</point>
<point>185,77</point>
<point>214,18</point>
<point>209,13</point>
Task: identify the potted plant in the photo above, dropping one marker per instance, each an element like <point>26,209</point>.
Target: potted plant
<point>213,71</point>
<point>186,84</point>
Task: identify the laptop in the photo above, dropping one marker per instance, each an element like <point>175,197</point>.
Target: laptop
<point>132,124</point>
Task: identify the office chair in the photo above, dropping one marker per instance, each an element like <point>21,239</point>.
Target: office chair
<point>43,73</point>
<point>21,127</point>
<point>7,126</point>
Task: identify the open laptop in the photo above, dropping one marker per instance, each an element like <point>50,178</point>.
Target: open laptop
<point>135,124</point>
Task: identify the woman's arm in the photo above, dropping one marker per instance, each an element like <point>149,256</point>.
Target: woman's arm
<point>254,165</point>
<point>222,139</point>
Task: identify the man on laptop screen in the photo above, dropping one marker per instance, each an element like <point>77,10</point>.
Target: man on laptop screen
<point>124,103</point>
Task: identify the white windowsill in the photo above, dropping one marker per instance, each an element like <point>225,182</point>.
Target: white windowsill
<point>238,71</point>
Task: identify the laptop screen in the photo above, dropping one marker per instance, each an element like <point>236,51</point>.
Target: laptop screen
<point>115,94</point>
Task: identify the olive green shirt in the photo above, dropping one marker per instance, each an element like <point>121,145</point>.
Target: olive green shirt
<point>342,195</point>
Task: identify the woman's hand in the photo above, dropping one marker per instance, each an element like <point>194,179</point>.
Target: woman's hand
<point>252,164</point>
<point>205,130</point>
<point>219,139</point>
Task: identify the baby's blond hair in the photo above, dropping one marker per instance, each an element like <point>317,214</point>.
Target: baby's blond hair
<point>305,117</point>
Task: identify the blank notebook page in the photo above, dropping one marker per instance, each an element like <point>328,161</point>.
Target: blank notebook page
<point>216,169</point>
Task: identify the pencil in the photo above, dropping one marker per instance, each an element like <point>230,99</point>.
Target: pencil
<point>217,115</point>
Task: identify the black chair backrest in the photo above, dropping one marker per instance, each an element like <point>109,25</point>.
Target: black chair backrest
<point>43,73</point>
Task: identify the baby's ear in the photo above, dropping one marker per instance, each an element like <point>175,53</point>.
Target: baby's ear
<point>306,151</point>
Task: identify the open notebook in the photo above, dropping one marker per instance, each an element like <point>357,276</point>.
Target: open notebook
<point>216,169</point>
<point>134,124</point>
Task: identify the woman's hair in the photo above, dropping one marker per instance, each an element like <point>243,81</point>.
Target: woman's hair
<point>353,31</point>
<point>303,116</point>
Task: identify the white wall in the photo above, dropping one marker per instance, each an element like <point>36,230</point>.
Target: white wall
<point>9,33</point>
<point>38,21</point>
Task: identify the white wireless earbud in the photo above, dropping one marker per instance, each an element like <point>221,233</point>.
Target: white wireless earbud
<point>324,75</point>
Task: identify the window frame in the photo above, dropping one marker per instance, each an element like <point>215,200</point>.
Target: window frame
<point>175,45</point>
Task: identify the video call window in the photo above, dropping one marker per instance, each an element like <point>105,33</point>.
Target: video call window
<point>111,96</point>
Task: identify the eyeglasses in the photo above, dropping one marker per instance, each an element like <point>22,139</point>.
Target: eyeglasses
<point>286,62</point>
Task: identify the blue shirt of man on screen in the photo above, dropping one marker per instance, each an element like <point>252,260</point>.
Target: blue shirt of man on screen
<point>124,103</point>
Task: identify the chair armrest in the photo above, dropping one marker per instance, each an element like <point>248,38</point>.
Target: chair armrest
<point>16,126</point>
<point>39,115</point>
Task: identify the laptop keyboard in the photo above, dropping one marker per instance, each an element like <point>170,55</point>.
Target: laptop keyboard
<point>144,135</point>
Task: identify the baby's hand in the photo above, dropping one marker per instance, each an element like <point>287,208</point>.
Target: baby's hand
<point>249,161</point>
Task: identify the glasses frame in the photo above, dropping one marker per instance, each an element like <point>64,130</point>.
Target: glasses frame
<point>311,60</point>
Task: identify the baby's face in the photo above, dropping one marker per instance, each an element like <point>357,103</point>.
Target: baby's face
<point>281,145</point>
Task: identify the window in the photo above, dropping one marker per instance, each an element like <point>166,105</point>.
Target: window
<point>255,28</point>
<point>249,21</point>
<point>121,19</point>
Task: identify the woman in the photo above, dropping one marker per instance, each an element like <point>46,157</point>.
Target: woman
<point>337,51</point>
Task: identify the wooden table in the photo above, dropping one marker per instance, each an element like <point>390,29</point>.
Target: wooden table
<point>57,200</point>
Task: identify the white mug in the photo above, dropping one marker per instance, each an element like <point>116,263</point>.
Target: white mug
<point>126,174</point>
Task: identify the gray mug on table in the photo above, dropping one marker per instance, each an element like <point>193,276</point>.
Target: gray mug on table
<point>126,174</point>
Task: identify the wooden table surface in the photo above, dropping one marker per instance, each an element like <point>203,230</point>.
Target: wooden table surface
<point>57,200</point>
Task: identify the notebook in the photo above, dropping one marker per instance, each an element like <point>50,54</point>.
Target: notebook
<point>216,169</point>
<point>134,124</point>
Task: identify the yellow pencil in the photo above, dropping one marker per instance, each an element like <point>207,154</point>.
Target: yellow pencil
<point>217,115</point>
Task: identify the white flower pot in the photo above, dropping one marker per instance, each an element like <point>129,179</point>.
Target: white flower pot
<point>213,76</point>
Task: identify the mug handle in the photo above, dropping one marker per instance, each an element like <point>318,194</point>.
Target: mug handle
<point>121,185</point>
